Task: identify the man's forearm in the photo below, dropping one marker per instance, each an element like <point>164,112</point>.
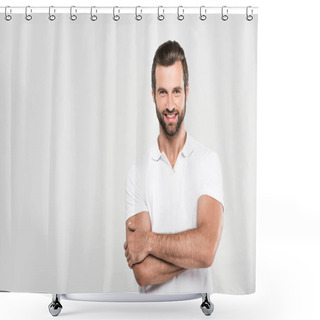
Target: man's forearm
<point>194,248</point>
<point>188,249</point>
<point>154,271</point>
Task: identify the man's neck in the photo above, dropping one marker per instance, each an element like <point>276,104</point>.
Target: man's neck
<point>172,146</point>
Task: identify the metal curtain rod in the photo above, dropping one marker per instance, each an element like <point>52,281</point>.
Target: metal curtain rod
<point>138,11</point>
<point>123,9</point>
<point>131,7</point>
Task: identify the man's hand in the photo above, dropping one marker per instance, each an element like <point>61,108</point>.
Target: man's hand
<point>151,270</point>
<point>137,245</point>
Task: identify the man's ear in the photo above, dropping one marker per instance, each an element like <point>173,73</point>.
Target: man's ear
<point>187,91</point>
<point>153,97</point>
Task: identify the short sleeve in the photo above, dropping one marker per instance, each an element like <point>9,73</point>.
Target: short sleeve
<point>212,183</point>
<point>135,193</point>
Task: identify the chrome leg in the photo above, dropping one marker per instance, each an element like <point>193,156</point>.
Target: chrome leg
<point>206,305</point>
<point>55,306</point>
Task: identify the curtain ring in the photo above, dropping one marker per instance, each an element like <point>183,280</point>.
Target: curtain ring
<point>203,15</point>
<point>52,16</point>
<point>7,16</point>
<point>180,16</point>
<point>138,16</point>
<point>73,17</point>
<point>93,17</point>
<point>249,16</point>
<point>160,16</point>
<point>224,13</point>
<point>116,17</point>
<point>28,16</point>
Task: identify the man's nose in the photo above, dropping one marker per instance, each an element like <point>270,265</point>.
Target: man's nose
<point>170,103</point>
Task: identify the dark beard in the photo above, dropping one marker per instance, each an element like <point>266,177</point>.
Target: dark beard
<point>170,129</point>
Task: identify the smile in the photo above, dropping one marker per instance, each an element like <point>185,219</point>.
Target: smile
<point>171,117</point>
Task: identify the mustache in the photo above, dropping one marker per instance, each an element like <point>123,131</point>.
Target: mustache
<point>170,112</point>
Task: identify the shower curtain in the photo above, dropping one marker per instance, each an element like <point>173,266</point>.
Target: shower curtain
<point>76,114</point>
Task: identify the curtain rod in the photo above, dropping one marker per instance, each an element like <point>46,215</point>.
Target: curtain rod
<point>124,9</point>
<point>133,7</point>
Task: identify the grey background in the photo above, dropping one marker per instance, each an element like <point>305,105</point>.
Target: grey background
<point>287,259</point>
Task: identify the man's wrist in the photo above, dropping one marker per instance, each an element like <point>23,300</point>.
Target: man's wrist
<point>151,242</point>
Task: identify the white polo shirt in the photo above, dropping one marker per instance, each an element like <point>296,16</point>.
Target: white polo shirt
<point>170,195</point>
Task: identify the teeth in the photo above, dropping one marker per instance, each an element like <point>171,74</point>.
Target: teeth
<point>171,116</point>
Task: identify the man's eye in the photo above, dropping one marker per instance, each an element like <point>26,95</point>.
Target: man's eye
<point>176,91</point>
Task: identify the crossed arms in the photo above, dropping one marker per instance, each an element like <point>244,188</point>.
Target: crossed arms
<point>156,258</point>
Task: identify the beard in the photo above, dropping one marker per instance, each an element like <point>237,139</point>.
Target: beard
<point>171,129</point>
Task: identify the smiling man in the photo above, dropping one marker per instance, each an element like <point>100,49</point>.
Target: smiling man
<point>174,196</point>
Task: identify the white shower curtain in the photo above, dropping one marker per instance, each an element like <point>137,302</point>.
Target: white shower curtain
<point>76,111</point>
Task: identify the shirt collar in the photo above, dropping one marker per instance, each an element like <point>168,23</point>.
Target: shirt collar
<point>186,150</point>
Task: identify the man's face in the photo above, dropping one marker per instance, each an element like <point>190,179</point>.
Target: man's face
<point>170,97</point>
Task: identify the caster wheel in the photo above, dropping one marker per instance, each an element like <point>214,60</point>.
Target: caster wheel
<point>55,308</point>
<point>207,306</point>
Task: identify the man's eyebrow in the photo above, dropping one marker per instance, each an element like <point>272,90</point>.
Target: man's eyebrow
<point>174,89</point>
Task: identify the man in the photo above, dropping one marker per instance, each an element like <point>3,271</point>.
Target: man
<point>173,194</point>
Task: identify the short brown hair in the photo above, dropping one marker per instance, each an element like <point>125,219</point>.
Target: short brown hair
<point>166,55</point>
